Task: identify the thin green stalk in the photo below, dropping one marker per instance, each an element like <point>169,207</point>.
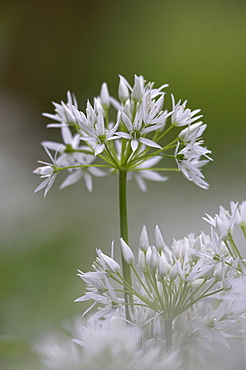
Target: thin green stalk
<point>243,230</point>
<point>126,269</point>
<point>165,132</point>
<point>169,334</point>
<point>233,244</point>
<point>140,280</point>
<point>166,296</point>
<point>83,166</point>
<point>158,295</point>
<point>157,169</point>
<point>114,160</point>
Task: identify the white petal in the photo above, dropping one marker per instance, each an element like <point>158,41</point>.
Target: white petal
<point>149,142</point>
<point>99,149</point>
<point>66,135</point>
<point>97,172</point>
<point>141,183</point>
<point>88,182</point>
<point>127,122</point>
<point>153,176</point>
<point>53,146</point>
<point>74,177</point>
<point>134,145</point>
<point>42,185</point>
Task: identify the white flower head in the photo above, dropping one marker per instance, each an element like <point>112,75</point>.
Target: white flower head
<point>65,114</point>
<point>94,130</point>
<point>181,115</point>
<point>189,162</point>
<point>137,131</point>
<point>49,172</point>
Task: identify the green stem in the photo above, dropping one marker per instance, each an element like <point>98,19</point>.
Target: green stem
<point>243,230</point>
<point>165,132</point>
<point>233,244</point>
<point>123,206</point>
<point>126,269</point>
<point>169,334</point>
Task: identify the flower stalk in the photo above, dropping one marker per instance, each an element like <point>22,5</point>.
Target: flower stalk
<point>126,269</point>
<point>169,334</point>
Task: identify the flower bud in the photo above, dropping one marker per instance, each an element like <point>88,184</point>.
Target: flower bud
<point>44,171</point>
<point>137,88</point>
<point>142,261</point>
<point>126,252</point>
<point>188,133</point>
<point>163,267</point>
<point>144,239</point>
<point>123,90</point>
<point>152,258</point>
<point>108,263</point>
<point>104,95</point>
<point>173,272</point>
<point>159,242</point>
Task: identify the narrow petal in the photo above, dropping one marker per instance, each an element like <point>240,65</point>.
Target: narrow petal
<point>71,179</point>
<point>149,142</point>
<point>134,145</point>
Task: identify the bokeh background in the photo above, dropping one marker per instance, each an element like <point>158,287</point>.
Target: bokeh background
<point>49,47</point>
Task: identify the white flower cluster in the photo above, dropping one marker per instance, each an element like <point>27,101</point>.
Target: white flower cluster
<point>195,288</point>
<point>94,144</point>
<point>117,346</point>
<point>196,284</point>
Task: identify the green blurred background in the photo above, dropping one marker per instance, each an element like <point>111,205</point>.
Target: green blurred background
<point>48,47</point>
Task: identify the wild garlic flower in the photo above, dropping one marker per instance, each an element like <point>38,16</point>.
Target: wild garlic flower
<point>70,151</point>
<point>94,346</point>
<point>73,156</point>
<point>138,124</point>
<point>137,131</point>
<point>182,116</point>
<point>223,225</point>
<point>94,130</point>
<point>59,353</point>
<point>189,284</point>
<point>49,172</point>
<point>189,162</point>
<point>240,213</point>
<point>186,296</point>
<point>65,113</point>
<point>223,222</point>
<point>172,278</point>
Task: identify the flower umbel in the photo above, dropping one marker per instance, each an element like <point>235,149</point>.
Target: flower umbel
<point>134,141</point>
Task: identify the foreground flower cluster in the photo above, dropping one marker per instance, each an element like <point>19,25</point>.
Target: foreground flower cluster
<point>134,140</point>
<point>186,300</point>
